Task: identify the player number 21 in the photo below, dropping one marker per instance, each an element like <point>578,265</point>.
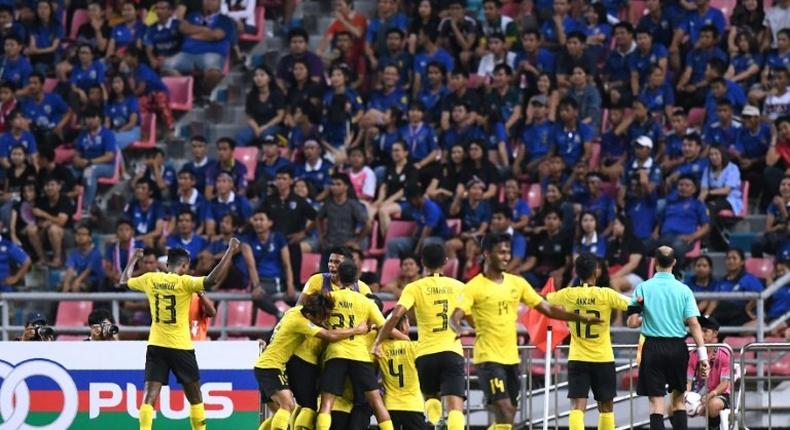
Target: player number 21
<point>170,307</point>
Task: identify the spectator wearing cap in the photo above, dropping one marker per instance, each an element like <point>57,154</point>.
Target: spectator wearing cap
<point>459,33</point>
<point>538,139</point>
<point>228,164</point>
<point>571,55</point>
<point>751,143</point>
<point>692,85</point>
<point>715,386</point>
<point>162,39</point>
<point>420,137</point>
<point>298,50</point>
<point>431,223</point>
<point>12,256</point>
<point>657,94</point>
<point>16,67</point>
<point>200,163</point>
<point>95,156</point>
<point>498,54</point>
<point>84,268</point>
<point>587,97</point>
<point>561,24</point>
<point>315,169</point>
<point>692,162</point>
<point>475,215</point>
<point>269,164</point>
<point>185,236</point>
<point>642,123</point>
<point>573,137</point>
<point>146,214</point>
<point>645,58</point>
<point>342,107</point>
<point>617,74</point>
<point>683,221</point>
<point>776,222</point>
<point>152,93</point>
<point>226,201</point>
<point>264,107</point>
<point>736,279</point>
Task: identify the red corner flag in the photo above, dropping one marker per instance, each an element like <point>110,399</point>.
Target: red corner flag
<point>537,324</point>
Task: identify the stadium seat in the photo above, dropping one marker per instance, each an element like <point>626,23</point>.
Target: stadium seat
<point>80,17</point>
<point>260,26</point>
<point>388,304</point>
<point>695,251</point>
<point>181,89</point>
<point>148,133</point>
<point>390,270</point>
<point>370,265</point>
<point>374,249</point>
<point>726,7</point>
<point>50,84</point>
<point>451,268</point>
<point>595,155</point>
<point>117,175</point>
<point>745,210</point>
<point>311,263</point>
<point>396,229</point>
<point>475,81</point>
<point>638,10</point>
<point>73,313</point>
<point>64,154</point>
<point>239,313</point>
<point>760,267</point>
<point>455,226</point>
<point>736,343</point>
<point>78,210</point>
<point>247,155</point>
<point>534,196</point>
<point>696,117</point>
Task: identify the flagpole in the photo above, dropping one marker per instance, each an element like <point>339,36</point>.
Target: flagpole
<point>547,379</point>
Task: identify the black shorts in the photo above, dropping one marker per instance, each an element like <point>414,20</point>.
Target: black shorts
<point>407,420</point>
<point>663,367</point>
<point>340,420</point>
<point>303,380</point>
<point>499,381</point>
<point>160,361</point>
<point>362,375</point>
<point>601,377</point>
<point>270,381</point>
<point>442,373</point>
<point>726,399</point>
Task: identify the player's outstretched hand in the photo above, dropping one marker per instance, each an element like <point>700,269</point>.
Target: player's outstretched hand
<point>233,244</point>
<point>376,350</point>
<point>594,321</point>
<point>362,328</point>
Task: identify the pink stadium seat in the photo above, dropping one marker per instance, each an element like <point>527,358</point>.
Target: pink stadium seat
<point>696,116</point>
<point>370,265</point>
<point>117,176</point>
<point>64,154</point>
<point>80,17</point>
<point>736,343</point>
<point>311,263</point>
<point>78,210</point>
<point>390,270</point>
<point>595,156</point>
<point>451,268</point>
<point>726,7</point>
<point>239,313</point>
<point>247,155</point>
<point>260,26</point>
<point>534,196</point>
<point>695,251</point>
<point>265,321</point>
<point>73,314</point>
<point>50,84</point>
<point>745,211</point>
<point>181,89</point>
<point>148,133</point>
<point>375,249</point>
<point>638,10</point>
<point>388,304</point>
<point>475,81</point>
<point>396,229</point>
<point>455,226</point>
<point>760,267</point>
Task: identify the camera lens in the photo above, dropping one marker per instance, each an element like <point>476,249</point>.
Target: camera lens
<point>113,329</point>
<point>44,331</point>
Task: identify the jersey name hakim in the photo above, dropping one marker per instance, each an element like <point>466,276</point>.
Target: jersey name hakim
<point>585,301</point>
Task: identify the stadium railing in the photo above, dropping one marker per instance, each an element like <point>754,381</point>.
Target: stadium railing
<point>768,378</point>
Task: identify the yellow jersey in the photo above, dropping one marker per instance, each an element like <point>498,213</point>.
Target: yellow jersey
<point>169,296</point>
<point>289,333</point>
<point>351,309</point>
<point>434,298</point>
<point>590,342</point>
<point>399,376</point>
<point>494,308</point>
<point>311,350</point>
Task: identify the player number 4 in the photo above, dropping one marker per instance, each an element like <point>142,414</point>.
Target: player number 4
<point>399,373</point>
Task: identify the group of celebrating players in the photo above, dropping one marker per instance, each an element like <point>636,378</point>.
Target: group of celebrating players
<point>321,367</point>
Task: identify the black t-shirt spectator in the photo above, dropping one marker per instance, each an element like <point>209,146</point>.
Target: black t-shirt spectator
<point>397,181</point>
<point>551,252</point>
<point>471,98</point>
<point>618,252</point>
<point>86,34</point>
<point>62,206</point>
<point>15,182</point>
<point>312,92</point>
<point>487,173</point>
<point>566,63</point>
<point>290,215</point>
<point>62,174</point>
<point>467,27</point>
<point>262,111</point>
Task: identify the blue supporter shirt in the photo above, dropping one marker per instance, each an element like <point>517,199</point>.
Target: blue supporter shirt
<point>8,141</point>
<point>698,59</point>
<point>696,287</point>
<point>667,304</point>
<point>570,143</point>
<point>780,303</point>
<point>195,245</point>
<point>86,78</point>
<point>125,36</point>
<point>197,204</point>
<point>46,114</point>
<point>662,30</point>
<point>238,172</point>
<point>641,63</point>
<point>720,136</point>
<point>118,256</point>
<point>432,102</point>
<point>604,209</point>
<point>430,217</point>
<point>214,22</point>
<point>694,168</point>
<point>642,212</point>
<point>745,283</point>
<point>753,145</point>
<point>544,61</point>
<point>518,245</point>
<point>268,172</point>
<point>119,111</point>
<point>91,259</point>
<point>403,61</point>
<point>569,24</point>
<point>201,172</point>
<point>472,218</point>
<point>17,71</point>
<point>538,140</point>
<point>741,62</point>
<point>267,257</point>
<point>734,94</point>
<point>496,135</point>
<point>164,39</point>
<point>318,176</point>
<point>521,208</point>
<point>236,205</point>
<point>775,60</point>
<point>91,145</point>
<point>616,67</point>
<point>9,253</point>
<point>420,139</point>
<point>382,101</point>
<point>422,60</point>
<point>683,216</point>
<point>461,135</point>
<point>144,220</point>
<point>153,82</point>
<point>648,128</point>
<point>385,141</point>
<point>673,146</point>
<point>614,145</point>
<point>694,23</point>
<point>656,99</point>
<point>219,246</point>
<point>46,34</point>
<point>597,248</point>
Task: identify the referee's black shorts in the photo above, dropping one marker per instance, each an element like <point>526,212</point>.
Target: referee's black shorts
<point>663,366</point>
<point>442,373</point>
<point>160,361</point>
<point>601,377</point>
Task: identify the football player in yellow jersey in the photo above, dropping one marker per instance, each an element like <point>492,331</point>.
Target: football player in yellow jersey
<point>402,397</point>
<point>491,299</point>
<point>591,360</point>
<point>440,358</point>
<point>301,322</point>
<point>351,357</point>
<point>170,342</point>
<point>303,369</point>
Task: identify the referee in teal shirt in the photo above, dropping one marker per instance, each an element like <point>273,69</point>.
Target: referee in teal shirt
<point>664,306</point>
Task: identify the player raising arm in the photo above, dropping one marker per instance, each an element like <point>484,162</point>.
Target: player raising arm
<point>170,342</point>
<point>491,299</point>
<point>440,359</point>
<point>301,322</point>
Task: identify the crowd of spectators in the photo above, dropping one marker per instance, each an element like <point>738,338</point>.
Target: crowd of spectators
<point>611,127</point>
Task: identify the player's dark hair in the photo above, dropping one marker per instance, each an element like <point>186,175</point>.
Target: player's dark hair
<point>379,303</point>
<point>664,260</point>
<point>318,306</point>
<point>585,265</point>
<point>347,272</point>
<point>433,256</point>
<point>491,240</point>
<point>177,256</point>
<point>388,314</point>
<point>342,250</point>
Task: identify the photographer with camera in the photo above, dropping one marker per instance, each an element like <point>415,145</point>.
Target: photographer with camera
<point>37,330</point>
<point>102,326</point>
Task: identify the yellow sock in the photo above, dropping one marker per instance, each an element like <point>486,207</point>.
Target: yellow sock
<point>280,419</point>
<point>503,427</point>
<point>146,417</point>
<point>606,421</point>
<point>455,420</point>
<point>323,422</point>
<point>576,420</point>
<point>305,420</point>
<point>386,425</point>
<point>433,409</point>
<point>294,414</point>
<point>197,416</point>
<point>266,424</point>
